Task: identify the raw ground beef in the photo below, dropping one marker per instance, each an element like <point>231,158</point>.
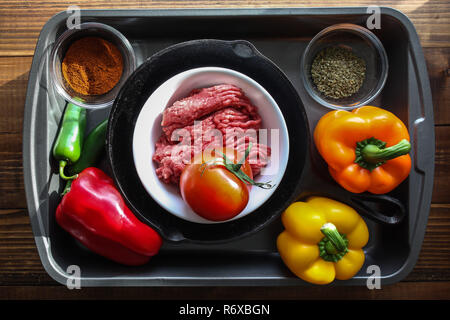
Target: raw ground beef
<point>189,125</point>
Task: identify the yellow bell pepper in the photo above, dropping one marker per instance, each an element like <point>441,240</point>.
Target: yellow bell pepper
<point>322,240</point>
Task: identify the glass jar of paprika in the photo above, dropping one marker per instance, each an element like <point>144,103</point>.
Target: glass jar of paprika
<point>90,63</point>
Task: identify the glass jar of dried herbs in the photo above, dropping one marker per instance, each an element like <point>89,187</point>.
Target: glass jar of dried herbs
<point>337,72</point>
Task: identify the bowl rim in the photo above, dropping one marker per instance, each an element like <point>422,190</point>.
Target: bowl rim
<point>362,32</point>
<point>139,152</point>
<point>130,59</point>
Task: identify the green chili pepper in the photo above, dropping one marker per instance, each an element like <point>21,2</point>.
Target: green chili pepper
<point>92,148</point>
<point>69,142</point>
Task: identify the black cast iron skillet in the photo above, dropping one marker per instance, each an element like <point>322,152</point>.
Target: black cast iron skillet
<point>243,57</point>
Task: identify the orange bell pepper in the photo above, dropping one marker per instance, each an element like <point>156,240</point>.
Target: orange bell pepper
<point>366,149</point>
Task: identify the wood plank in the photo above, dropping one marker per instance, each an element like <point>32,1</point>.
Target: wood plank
<point>13,86</point>
<point>442,165</point>
<point>403,291</point>
<point>20,263</point>
<point>12,191</point>
<point>434,259</point>
<point>437,60</point>
<point>19,259</point>
<point>22,21</point>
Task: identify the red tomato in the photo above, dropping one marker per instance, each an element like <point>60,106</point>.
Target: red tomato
<point>211,190</point>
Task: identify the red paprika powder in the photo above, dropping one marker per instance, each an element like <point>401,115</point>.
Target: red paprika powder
<point>92,66</point>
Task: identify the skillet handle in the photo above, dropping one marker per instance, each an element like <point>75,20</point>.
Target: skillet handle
<point>380,208</point>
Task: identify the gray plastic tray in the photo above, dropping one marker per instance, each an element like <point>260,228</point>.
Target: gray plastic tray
<point>281,35</point>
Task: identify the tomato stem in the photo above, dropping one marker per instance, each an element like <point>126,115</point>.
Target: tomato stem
<point>246,154</point>
<point>235,168</point>
<point>205,165</point>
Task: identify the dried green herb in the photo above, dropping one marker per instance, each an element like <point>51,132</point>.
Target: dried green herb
<point>337,72</point>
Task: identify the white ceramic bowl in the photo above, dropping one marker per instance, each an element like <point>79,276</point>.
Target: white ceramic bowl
<point>148,130</point>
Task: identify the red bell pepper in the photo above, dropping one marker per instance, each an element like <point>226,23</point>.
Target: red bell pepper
<point>94,212</point>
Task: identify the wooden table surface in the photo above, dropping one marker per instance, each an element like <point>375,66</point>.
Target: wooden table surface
<point>21,273</point>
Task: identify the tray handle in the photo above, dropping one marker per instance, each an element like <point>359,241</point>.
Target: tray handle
<point>380,208</point>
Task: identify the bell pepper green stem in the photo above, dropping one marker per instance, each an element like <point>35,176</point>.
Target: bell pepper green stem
<point>62,165</point>
<point>334,246</point>
<point>335,239</point>
<point>372,153</point>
